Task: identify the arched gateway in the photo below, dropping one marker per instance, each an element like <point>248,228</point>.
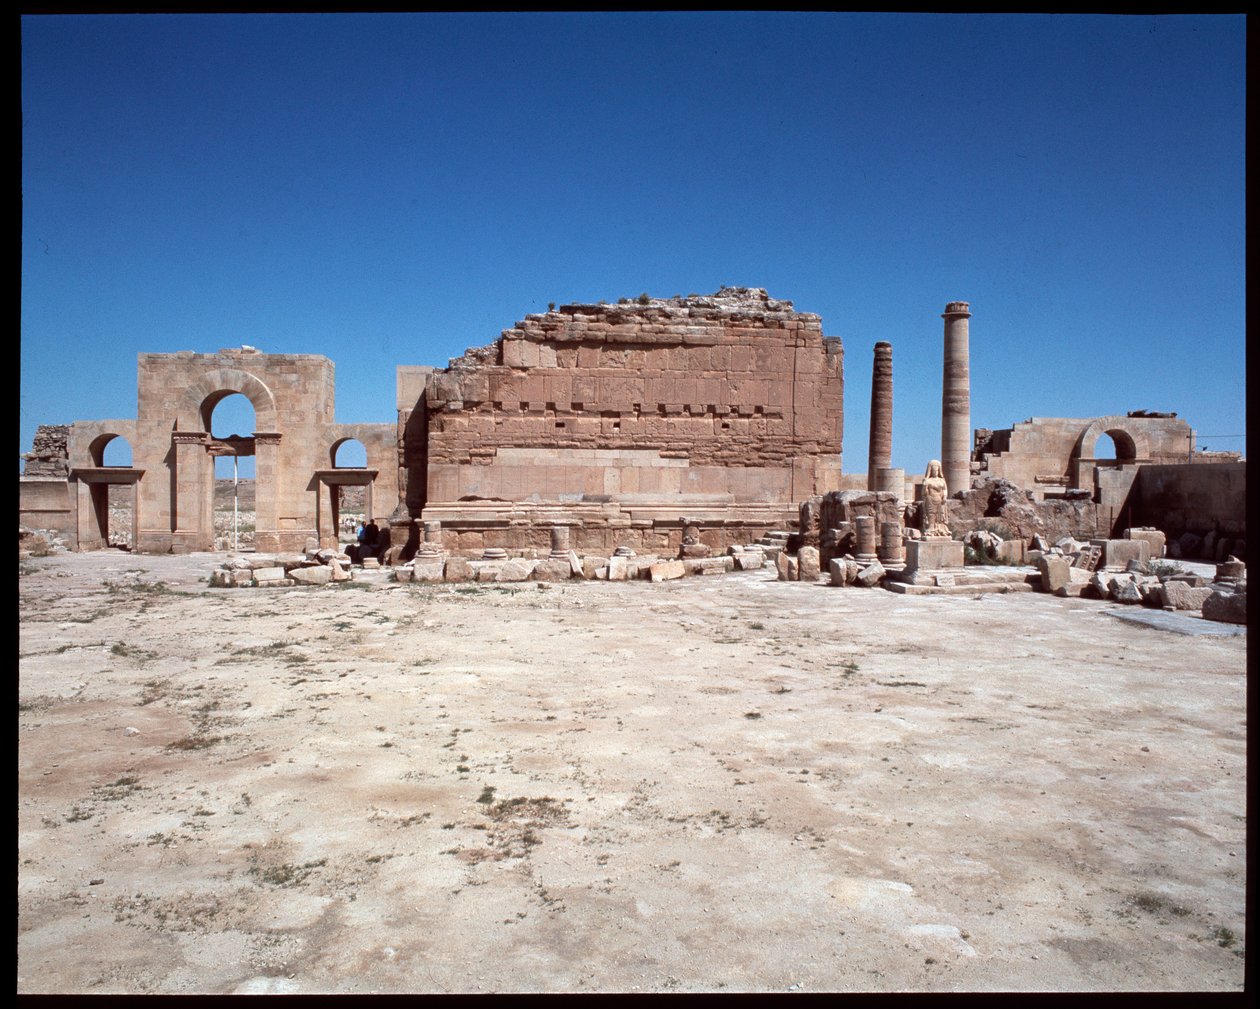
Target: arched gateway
<point>173,450</point>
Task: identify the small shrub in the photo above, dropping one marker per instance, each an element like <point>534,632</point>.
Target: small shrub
<point>644,298</point>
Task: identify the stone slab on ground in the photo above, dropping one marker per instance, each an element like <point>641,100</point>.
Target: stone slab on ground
<point>1177,622</point>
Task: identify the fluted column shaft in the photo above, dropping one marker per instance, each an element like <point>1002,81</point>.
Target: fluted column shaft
<point>880,456</point>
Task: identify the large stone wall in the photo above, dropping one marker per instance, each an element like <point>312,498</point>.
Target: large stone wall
<point>1198,499</point>
<point>625,420</point>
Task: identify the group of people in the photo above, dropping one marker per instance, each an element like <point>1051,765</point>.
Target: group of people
<point>372,541</point>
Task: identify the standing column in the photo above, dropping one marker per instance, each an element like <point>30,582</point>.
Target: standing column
<point>865,527</point>
<point>880,456</point>
<point>956,400</point>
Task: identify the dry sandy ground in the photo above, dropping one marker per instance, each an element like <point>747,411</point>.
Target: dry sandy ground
<point>714,784</point>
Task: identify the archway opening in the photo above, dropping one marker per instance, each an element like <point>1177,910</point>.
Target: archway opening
<point>231,422</point>
<point>115,503</point>
<point>1114,447</point>
<point>350,500</point>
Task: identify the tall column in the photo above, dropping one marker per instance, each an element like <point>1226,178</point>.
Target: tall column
<point>880,456</point>
<point>956,399</point>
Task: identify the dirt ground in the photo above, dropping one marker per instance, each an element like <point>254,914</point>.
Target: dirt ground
<point>714,784</point>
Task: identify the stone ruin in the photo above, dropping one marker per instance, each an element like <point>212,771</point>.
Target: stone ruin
<point>654,438</point>
<point>627,423</point>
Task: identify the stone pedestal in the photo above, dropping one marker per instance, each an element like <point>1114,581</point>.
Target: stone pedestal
<point>432,545</point>
<point>933,555</point>
<point>560,542</point>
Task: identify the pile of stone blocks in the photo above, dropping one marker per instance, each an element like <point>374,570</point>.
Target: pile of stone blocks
<point>314,567</point>
<point>1227,601</point>
<point>621,566</point>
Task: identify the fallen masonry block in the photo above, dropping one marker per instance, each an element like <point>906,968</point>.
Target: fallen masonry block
<point>458,569</point>
<point>320,575</point>
<point>515,569</point>
<point>664,571</point>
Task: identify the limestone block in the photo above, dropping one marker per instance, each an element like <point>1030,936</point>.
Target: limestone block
<point>424,569</point>
<point>516,569</point>
<point>1070,590</point>
<point>852,570</point>
<point>1125,590</point>
<point>371,564</point>
<point>1181,596</point>
<point>1230,570</point>
<point>457,569</point>
<point>591,566</point>
<point>1136,567</point>
<point>1078,576</point>
<point>781,563</point>
<point>576,568</point>
<point>242,576</point>
<point>312,546</point>
<point>488,572</point>
<point>271,574</point>
<point>1054,572</point>
<point>401,573</point>
<point>839,571</point>
<point>871,575</point>
<point>749,560</point>
<point>1118,553</point>
<point>664,571</point>
<point>933,555</point>
<point>807,560</point>
<point>1227,607</point>
<point>238,564</point>
<point>618,569</point>
<point>340,572</point>
<point>312,576</point>
<point>1154,537</point>
<point>552,570</point>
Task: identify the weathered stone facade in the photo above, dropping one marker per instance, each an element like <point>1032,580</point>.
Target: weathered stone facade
<point>625,422</point>
<point>1051,455</point>
<point>172,470</point>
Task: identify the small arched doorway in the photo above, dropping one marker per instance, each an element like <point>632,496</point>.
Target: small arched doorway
<point>230,419</point>
<point>111,486</point>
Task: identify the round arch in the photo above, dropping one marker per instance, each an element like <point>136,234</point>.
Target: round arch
<point>337,445</point>
<point>98,445</point>
<point>214,386</point>
<point>1130,444</point>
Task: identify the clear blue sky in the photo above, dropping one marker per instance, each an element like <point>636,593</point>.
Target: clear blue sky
<point>391,189</point>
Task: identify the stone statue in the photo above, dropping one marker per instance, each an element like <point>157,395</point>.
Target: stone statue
<point>935,494</point>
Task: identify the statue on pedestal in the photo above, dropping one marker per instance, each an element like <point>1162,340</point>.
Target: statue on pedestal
<point>935,495</point>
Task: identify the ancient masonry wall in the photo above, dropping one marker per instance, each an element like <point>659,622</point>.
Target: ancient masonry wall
<point>624,421</point>
<point>1048,455</point>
